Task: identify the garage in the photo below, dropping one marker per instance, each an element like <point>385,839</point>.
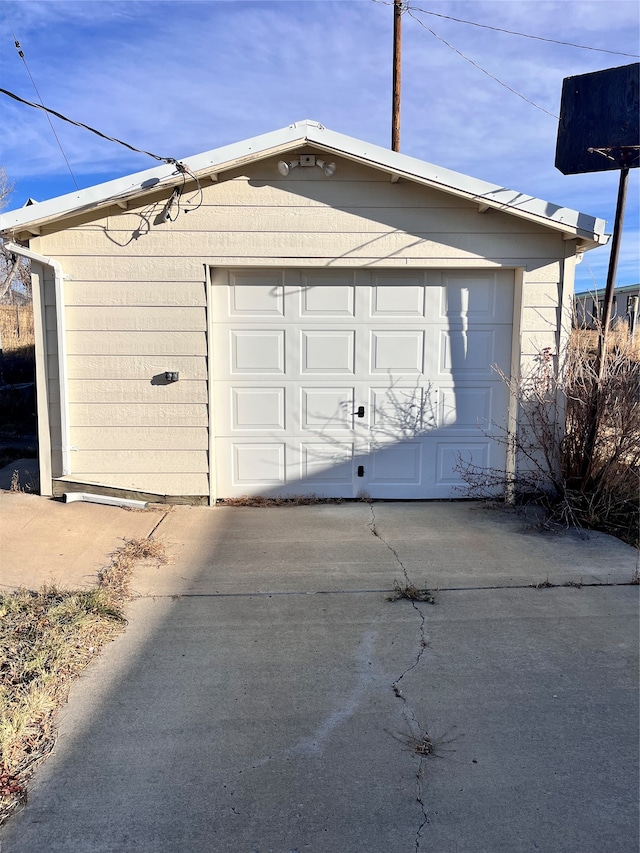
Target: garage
<point>355,383</point>
<point>299,313</point>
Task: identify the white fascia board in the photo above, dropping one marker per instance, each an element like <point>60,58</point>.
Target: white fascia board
<point>150,180</point>
<point>582,227</point>
<point>500,198</point>
<point>76,202</point>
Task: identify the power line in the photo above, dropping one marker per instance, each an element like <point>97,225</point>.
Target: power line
<point>409,9</point>
<point>22,57</point>
<point>170,160</point>
<point>479,67</point>
<point>33,82</point>
<point>522,35</point>
<point>181,168</point>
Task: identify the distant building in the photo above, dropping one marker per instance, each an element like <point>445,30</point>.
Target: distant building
<point>588,308</point>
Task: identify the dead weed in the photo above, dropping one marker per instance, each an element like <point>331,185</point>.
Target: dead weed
<point>423,744</point>
<point>279,500</point>
<point>46,639</point>
<point>411,592</point>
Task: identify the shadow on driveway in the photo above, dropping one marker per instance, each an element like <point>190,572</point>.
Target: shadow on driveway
<point>250,705</point>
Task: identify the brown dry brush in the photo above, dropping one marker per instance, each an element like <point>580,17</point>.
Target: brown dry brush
<point>16,325</point>
<point>563,411</point>
<point>46,639</point>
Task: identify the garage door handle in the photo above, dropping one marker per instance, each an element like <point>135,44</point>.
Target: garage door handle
<point>360,412</point>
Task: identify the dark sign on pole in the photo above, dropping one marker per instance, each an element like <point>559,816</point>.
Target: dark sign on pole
<point>599,125</point>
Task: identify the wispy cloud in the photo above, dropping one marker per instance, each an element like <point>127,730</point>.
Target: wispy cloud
<point>177,78</point>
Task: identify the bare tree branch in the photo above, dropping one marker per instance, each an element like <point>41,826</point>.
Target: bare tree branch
<point>15,273</point>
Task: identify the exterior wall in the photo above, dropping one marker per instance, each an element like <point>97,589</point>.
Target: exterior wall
<point>136,295</point>
<point>126,431</point>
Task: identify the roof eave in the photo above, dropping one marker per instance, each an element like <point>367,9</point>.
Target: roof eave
<point>566,220</point>
<point>148,181</point>
<point>587,236</point>
<point>587,230</point>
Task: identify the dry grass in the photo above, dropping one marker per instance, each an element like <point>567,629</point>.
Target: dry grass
<point>288,500</point>
<point>587,339</point>
<point>46,639</point>
<point>31,483</point>
<point>16,327</point>
<point>411,592</point>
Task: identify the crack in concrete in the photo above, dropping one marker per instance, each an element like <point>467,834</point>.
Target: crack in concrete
<point>408,713</point>
<point>156,526</point>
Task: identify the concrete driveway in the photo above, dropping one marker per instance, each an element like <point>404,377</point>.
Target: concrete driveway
<point>268,698</point>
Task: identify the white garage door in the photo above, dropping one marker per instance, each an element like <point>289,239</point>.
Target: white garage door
<point>357,382</point>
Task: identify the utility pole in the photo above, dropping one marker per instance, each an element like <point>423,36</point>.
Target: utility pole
<point>605,320</point>
<point>397,57</point>
<point>595,416</point>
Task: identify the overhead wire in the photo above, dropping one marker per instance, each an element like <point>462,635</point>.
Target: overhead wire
<point>170,160</point>
<point>181,168</point>
<point>198,192</point>
<point>20,51</point>
<point>407,7</point>
<point>479,67</point>
<point>410,10</point>
<point>184,169</point>
<point>176,196</point>
<point>525,35</point>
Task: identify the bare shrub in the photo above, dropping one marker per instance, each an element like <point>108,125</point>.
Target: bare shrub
<point>577,445</point>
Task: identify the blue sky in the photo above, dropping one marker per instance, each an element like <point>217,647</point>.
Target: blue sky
<point>178,78</point>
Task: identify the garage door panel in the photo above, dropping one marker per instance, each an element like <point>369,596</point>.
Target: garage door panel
<point>477,298</point>
<point>260,464</point>
<point>397,301</point>
<point>327,409</point>
<point>257,408</point>
<point>397,352</point>
<point>465,407</point>
<point>257,351</point>
<point>403,412</point>
<point>450,453</point>
<point>393,278</point>
<point>464,299</point>
<point>395,464</point>
<point>328,351</point>
<point>318,299</point>
<point>325,463</point>
<point>257,300</point>
<point>474,352</point>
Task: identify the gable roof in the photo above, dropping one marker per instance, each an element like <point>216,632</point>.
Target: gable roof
<point>588,230</point>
